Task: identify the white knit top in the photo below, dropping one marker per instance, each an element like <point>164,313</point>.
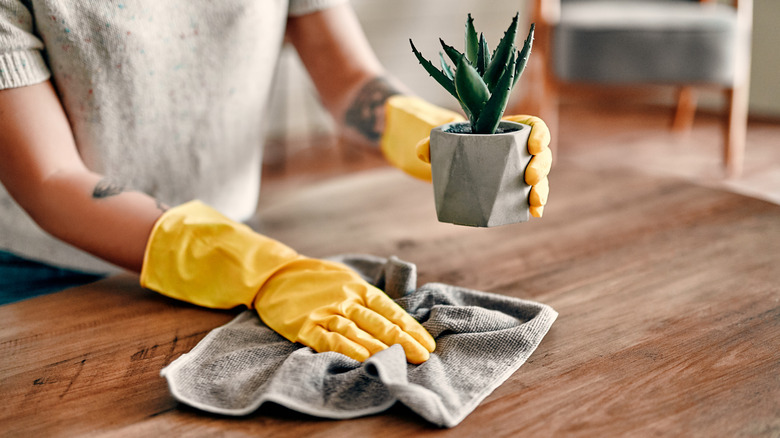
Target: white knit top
<point>166,97</point>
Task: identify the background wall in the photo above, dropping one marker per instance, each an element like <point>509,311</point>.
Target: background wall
<point>390,25</point>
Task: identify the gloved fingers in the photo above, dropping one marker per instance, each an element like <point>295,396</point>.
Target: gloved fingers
<point>383,305</point>
<point>350,330</point>
<point>322,340</point>
<point>389,332</point>
<point>539,192</point>
<point>539,139</point>
<point>423,149</point>
<point>539,167</point>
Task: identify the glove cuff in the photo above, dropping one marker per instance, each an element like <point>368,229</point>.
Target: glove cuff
<point>196,254</point>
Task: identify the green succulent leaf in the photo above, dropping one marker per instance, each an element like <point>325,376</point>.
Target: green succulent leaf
<point>437,74</point>
<point>481,82</point>
<point>525,52</point>
<point>472,43</point>
<point>483,55</point>
<point>445,67</point>
<point>472,91</point>
<point>452,53</point>
<point>488,120</point>
<point>472,120</point>
<point>500,58</point>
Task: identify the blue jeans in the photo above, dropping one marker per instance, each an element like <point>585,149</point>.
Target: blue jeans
<point>21,278</point>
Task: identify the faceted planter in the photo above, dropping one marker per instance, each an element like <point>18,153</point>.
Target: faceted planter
<point>478,179</point>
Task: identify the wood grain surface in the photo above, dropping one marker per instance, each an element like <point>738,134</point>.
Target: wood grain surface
<point>668,294</point>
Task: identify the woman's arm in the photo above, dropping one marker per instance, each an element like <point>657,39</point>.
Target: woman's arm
<point>351,82</point>
<point>42,170</point>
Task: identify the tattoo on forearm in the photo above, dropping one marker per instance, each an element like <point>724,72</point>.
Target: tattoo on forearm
<point>366,114</point>
<point>106,188</point>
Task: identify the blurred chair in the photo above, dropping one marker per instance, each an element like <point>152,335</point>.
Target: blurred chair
<point>690,44</point>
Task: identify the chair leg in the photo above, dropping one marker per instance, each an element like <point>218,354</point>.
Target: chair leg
<point>736,130</point>
<point>686,110</point>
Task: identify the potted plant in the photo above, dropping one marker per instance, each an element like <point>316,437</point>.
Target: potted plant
<point>478,166</point>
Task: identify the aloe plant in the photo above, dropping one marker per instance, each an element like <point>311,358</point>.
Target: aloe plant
<point>481,81</point>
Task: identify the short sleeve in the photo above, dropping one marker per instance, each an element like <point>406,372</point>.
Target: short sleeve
<point>21,61</point>
<point>303,7</point>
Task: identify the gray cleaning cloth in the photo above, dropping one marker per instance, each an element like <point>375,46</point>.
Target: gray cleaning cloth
<point>481,339</point>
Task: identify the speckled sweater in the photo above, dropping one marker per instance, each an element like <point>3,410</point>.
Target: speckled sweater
<point>166,97</point>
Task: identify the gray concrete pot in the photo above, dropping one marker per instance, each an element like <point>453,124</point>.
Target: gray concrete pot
<point>478,179</point>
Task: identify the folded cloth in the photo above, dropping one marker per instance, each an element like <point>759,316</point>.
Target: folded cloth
<point>481,339</point>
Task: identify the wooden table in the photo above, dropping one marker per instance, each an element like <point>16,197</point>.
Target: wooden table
<point>668,294</point>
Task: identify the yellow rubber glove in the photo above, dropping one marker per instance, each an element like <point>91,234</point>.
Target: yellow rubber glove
<point>196,254</point>
<point>539,167</point>
<point>407,120</point>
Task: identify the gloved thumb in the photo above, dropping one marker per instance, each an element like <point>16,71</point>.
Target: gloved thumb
<point>423,149</point>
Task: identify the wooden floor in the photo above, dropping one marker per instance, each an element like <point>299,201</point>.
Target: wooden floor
<point>635,137</point>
